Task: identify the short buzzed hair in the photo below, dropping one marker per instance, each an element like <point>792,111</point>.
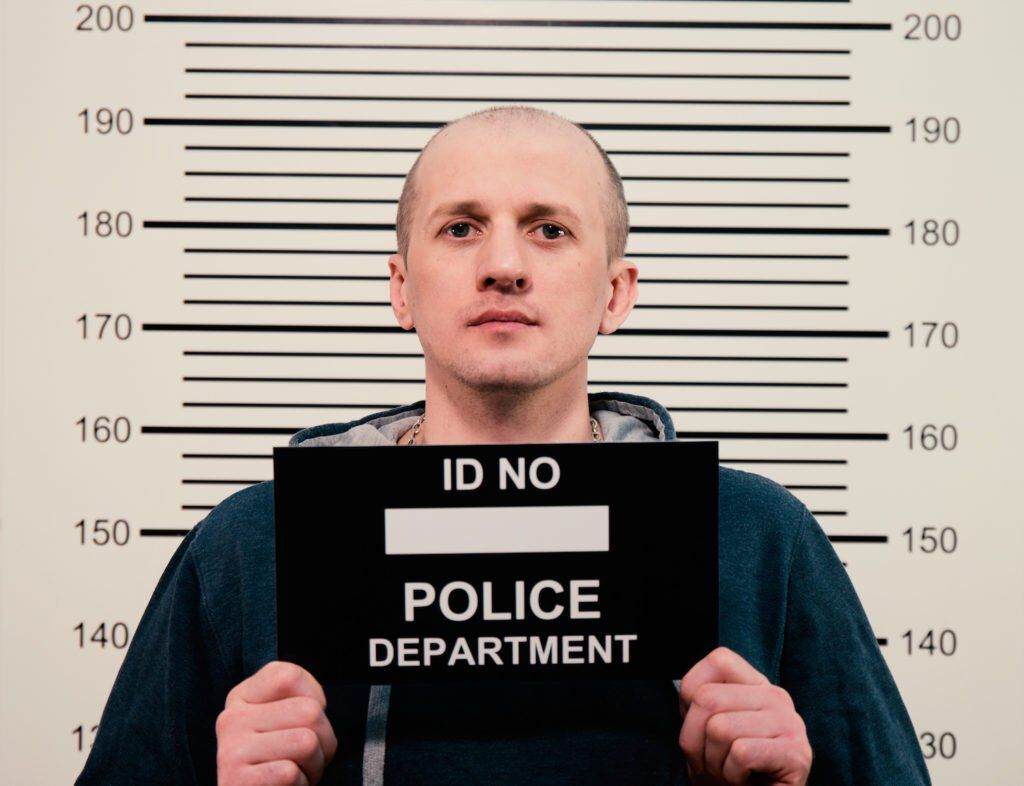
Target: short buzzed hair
<point>615,207</point>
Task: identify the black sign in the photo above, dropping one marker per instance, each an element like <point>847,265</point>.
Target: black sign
<point>523,561</point>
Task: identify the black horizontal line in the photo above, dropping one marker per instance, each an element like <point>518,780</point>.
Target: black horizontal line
<point>777,2</point>
<point>752,358</point>
<point>859,538</point>
<point>691,384</point>
<point>351,380</point>
<point>219,328</point>
<point>782,461</point>
<point>805,205</point>
<point>384,252</point>
<point>278,277</point>
<point>162,533</point>
<point>750,281</point>
<point>307,277</point>
<point>829,512</point>
<point>784,435</point>
<point>800,410</point>
<point>882,642</point>
<point>375,304</point>
<point>521,74</point>
<point>314,405</point>
<point>261,456</point>
<point>253,353</point>
<point>668,127</point>
<point>220,482</point>
<point>816,487</point>
<point>295,200</point>
<point>281,405</point>
<point>698,230</point>
<point>771,435</point>
<point>744,307</point>
<point>346,201</point>
<point>475,22</point>
<point>251,430</point>
<point>398,175</point>
<point>690,179</point>
<point>375,227</point>
<point>772,153</point>
<point>668,255</point>
<point>492,99</point>
<point>730,358</point>
<point>209,327</point>
<point>766,435</point>
<point>772,334</point>
<point>222,173</point>
<point>307,148</point>
<point>307,251</point>
<point>414,381</point>
<point>507,48</point>
<point>298,225</point>
<point>209,302</point>
<point>334,149</point>
<point>198,507</point>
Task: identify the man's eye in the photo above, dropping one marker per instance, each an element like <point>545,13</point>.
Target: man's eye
<point>556,228</point>
<point>457,227</point>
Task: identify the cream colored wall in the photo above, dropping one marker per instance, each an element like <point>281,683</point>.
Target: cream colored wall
<point>51,479</point>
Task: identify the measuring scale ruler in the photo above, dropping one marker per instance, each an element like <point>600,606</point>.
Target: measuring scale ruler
<point>199,207</point>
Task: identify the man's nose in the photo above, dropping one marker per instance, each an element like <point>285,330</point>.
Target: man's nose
<point>503,262</point>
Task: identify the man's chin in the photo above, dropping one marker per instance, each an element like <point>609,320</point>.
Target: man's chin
<point>513,381</point>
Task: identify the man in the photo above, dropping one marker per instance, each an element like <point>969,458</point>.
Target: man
<point>511,239</point>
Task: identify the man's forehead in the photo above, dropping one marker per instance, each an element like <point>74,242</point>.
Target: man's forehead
<point>529,168</point>
<point>511,130</point>
<point>529,149</point>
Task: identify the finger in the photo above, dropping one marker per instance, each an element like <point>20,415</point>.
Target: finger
<point>279,773</point>
<point>300,745</point>
<point>296,712</point>
<point>713,698</point>
<point>777,757</point>
<point>724,728</point>
<point>719,665</point>
<point>277,680</point>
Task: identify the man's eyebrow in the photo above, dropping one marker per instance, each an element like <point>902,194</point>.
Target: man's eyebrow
<point>536,209</point>
<point>454,208</point>
<point>532,210</point>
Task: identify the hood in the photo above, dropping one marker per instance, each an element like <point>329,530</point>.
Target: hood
<point>624,417</point>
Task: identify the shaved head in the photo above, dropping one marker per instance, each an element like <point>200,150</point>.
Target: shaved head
<point>613,199</point>
<point>519,211</point>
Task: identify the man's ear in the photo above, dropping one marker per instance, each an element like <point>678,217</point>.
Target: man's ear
<point>399,304</point>
<point>622,275</point>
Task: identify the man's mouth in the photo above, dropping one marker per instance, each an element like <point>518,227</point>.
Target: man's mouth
<point>502,321</point>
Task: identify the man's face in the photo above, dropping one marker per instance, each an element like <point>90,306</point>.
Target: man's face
<point>508,218</point>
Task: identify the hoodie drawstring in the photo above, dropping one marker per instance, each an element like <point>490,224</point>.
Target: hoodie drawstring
<point>376,735</point>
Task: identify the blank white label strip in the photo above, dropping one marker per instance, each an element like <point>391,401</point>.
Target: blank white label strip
<point>497,530</point>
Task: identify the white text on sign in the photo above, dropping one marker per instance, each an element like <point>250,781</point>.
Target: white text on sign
<point>467,474</point>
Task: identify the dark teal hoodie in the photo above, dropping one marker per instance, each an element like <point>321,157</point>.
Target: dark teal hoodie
<point>785,604</point>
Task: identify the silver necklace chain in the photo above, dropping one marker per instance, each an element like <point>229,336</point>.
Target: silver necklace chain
<point>419,422</point>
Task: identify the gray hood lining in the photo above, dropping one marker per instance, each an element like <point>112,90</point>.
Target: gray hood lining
<point>623,417</point>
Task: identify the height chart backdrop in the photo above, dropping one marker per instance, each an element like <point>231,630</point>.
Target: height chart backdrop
<point>199,202</point>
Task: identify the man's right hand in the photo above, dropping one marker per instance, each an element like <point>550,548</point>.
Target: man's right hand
<point>273,730</point>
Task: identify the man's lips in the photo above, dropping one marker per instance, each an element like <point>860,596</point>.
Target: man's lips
<point>502,320</point>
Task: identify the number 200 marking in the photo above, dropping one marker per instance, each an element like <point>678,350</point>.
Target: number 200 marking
<point>932,27</point>
<point>105,18</point>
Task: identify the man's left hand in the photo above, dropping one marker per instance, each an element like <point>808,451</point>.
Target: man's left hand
<point>737,725</point>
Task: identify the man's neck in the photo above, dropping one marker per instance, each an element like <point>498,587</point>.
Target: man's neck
<point>459,415</point>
